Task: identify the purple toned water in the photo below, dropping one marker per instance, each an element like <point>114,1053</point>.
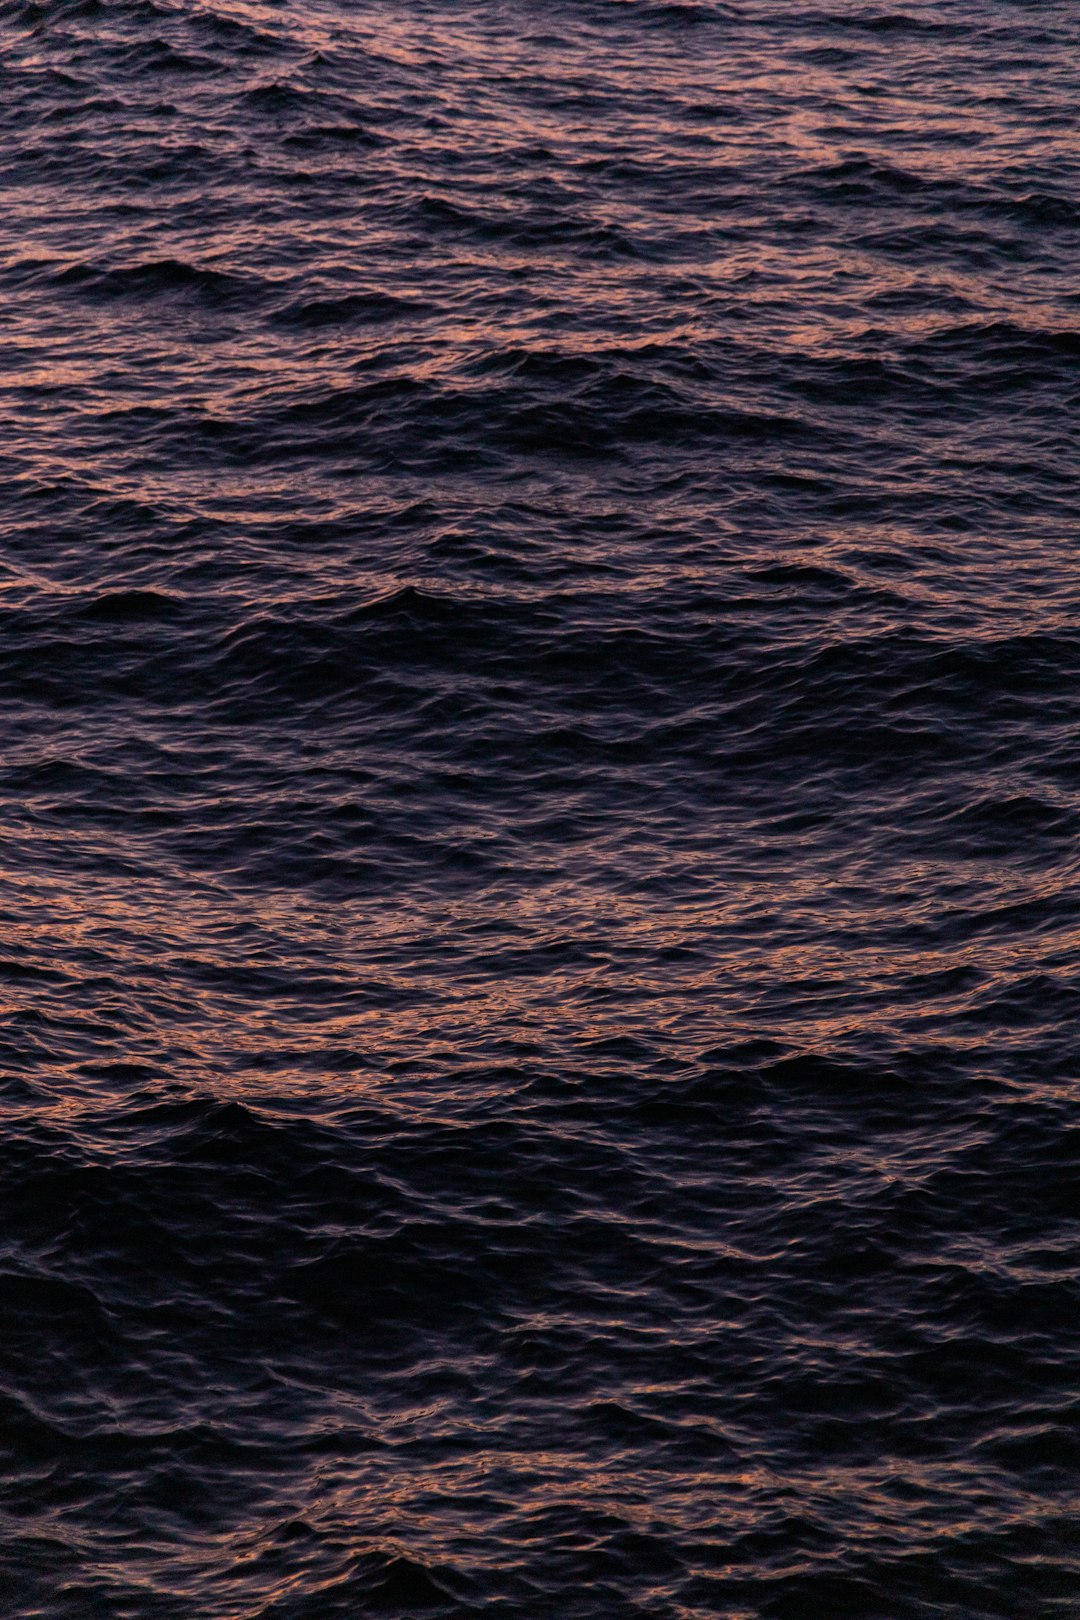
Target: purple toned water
<point>539,810</point>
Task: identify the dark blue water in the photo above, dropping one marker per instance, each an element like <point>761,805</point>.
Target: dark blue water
<point>539,810</point>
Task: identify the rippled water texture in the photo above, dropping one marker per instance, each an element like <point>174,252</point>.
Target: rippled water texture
<point>539,810</point>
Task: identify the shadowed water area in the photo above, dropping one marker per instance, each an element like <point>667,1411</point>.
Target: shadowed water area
<point>539,810</point>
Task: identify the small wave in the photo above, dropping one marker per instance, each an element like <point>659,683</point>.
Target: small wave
<point>348,308</point>
<point>896,22</point>
<point>155,278</point>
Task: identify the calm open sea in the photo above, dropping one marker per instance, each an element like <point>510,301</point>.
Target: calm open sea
<point>540,810</point>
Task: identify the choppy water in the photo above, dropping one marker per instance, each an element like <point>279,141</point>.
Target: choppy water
<point>540,664</point>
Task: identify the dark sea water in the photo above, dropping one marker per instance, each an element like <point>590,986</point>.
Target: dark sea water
<point>540,810</point>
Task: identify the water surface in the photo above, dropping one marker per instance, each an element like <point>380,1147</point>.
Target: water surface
<point>540,663</point>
